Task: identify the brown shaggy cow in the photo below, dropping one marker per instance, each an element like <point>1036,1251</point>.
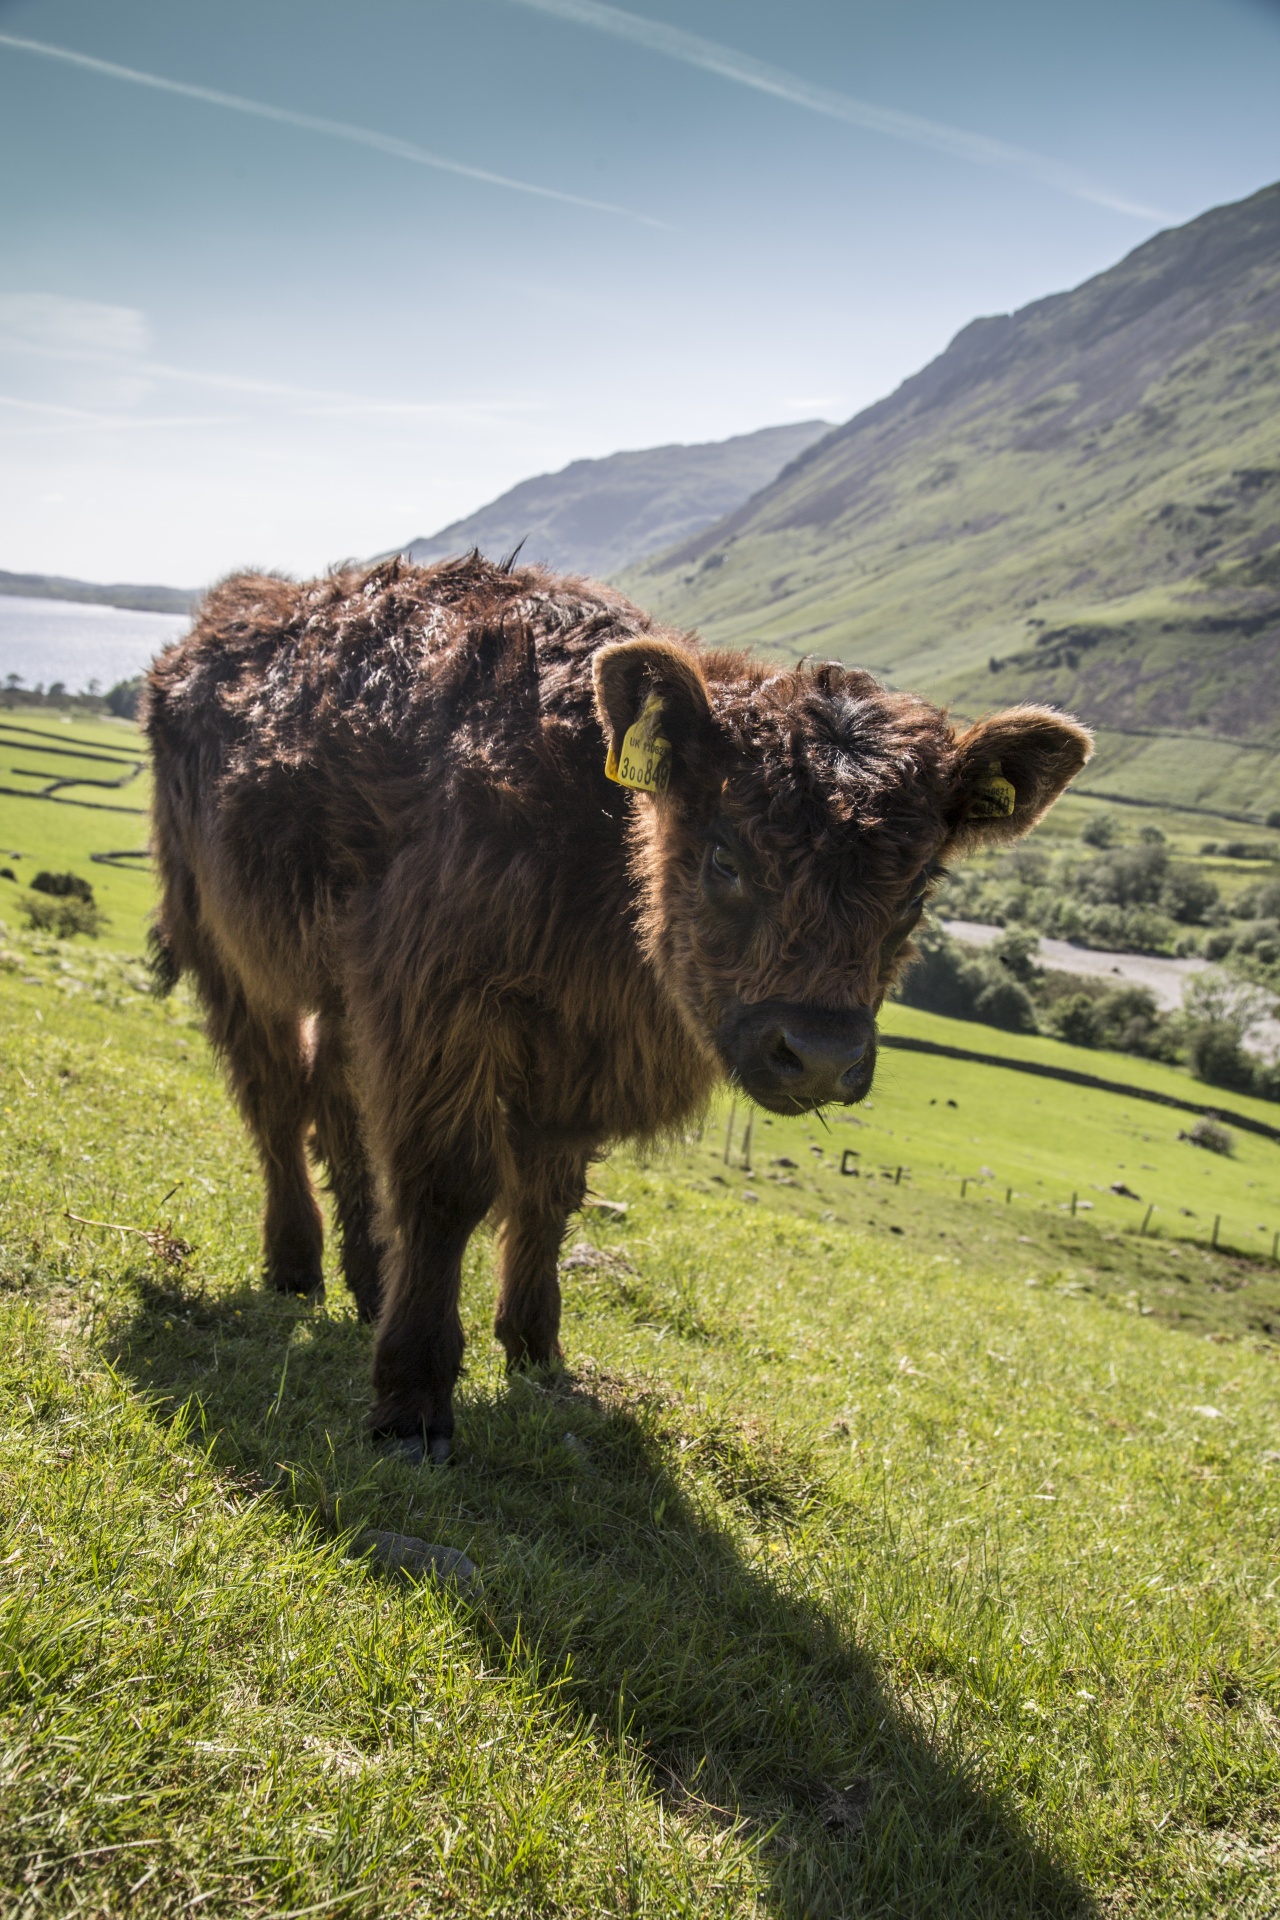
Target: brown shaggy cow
<point>431,931</point>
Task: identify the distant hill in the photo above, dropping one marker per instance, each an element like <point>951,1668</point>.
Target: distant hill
<point>1078,502</point>
<point>51,586</point>
<point>597,516</point>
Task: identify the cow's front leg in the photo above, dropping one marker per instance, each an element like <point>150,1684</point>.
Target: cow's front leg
<point>547,1188</point>
<point>417,1355</point>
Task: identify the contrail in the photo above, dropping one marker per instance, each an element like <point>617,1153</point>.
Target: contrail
<point>319,400</point>
<point>729,64</point>
<point>313,123</point>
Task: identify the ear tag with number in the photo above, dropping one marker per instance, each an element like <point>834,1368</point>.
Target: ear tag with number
<point>996,798</point>
<point>644,760</point>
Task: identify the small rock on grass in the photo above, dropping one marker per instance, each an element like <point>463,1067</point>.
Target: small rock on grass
<point>405,1553</point>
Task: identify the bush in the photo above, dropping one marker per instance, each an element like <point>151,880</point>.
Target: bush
<point>125,698</point>
<point>64,886</point>
<point>944,979</point>
<point>1188,895</point>
<point>1211,1135</point>
<point>1122,1019</point>
<point>64,915</point>
<point>1261,902</point>
<point>1005,1004</point>
<point>1100,831</point>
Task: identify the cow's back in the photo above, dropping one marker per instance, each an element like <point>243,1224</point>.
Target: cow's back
<point>305,735</point>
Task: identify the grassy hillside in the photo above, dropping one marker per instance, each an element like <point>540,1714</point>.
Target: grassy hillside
<point>596,516</point>
<point>1079,502</point>
<point>73,787</point>
<point>900,1540</point>
<point>880,1553</point>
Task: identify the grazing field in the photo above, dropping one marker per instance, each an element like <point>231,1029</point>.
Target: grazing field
<point>101,792</point>
<point>880,1552</point>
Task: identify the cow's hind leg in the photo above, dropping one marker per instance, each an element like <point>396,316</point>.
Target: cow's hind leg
<point>339,1143</point>
<point>548,1187</point>
<point>434,1204</point>
<point>267,1065</point>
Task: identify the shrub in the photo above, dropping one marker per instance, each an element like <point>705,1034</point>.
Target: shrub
<point>1261,902</point>
<point>944,979</point>
<point>1122,1019</point>
<point>1099,831</point>
<point>64,886</point>
<point>1018,952</point>
<point>63,915</point>
<point>1005,1004</point>
<point>1211,1135</point>
<point>125,698</point>
<point>1188,895</point>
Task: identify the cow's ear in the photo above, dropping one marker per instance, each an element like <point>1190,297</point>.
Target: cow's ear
<point>657,721</point>
<point>1010,770</point>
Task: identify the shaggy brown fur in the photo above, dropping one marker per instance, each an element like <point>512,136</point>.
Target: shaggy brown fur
<point>433,937</point>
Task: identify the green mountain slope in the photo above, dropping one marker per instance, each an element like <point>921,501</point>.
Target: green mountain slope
<point>1078,502</point>
<point>597,516</point>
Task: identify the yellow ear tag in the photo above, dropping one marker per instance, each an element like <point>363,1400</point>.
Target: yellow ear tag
<point>645,759</point>
<point>996,798</point>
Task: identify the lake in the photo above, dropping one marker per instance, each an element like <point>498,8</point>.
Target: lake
<point>48,640</point>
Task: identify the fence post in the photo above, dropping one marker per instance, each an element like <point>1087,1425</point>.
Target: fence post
<point>728,1132</point>
<point>897,1178</point>
<point>746,1142</point>
<point>1008,1195</point>
<point>1074,1198</point>
<point>1275,1244</point>
<point>963,1185</point>
<point>1146,1218</point>
<point>1217,1222</point>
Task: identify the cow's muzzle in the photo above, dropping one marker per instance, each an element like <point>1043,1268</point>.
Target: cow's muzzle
<point>792,1058</point>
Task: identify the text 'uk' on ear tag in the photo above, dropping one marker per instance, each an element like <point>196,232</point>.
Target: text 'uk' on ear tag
<point>996,798</point>
<point>644,759</point>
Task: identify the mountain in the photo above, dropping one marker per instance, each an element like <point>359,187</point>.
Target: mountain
<point>1078,502</point>
<point>597,516</point>
<point>51,586</point>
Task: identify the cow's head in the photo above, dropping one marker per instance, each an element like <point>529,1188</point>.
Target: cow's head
<point>800,819</point>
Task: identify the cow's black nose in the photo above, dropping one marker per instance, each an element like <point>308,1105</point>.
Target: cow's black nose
<point>792,1057</point>
<point>816,1067</point>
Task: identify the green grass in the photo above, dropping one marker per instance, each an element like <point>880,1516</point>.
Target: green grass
<point>54,834</point>
<point>846,1571</point>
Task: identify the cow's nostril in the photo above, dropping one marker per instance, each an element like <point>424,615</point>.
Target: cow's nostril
<point>854,1056</point>
<point>785,1057</point>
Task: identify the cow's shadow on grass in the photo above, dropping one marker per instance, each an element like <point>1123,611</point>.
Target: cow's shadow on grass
<point>602,1515</point>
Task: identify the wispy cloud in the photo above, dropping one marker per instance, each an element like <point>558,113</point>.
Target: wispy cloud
<point>314,123</point>
<point>58,319</point>
<point>657,37</point>
<point>81,420</point>
<point>315,402</point>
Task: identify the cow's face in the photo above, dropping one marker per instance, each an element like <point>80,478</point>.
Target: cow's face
<point>785,864</point>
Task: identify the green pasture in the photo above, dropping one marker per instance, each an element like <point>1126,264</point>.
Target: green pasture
<point>62,831</point>
<point>885,1549</point>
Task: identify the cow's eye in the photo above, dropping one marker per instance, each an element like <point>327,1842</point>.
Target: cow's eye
<point>725,864</point>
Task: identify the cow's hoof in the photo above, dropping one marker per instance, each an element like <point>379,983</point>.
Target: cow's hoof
<point>305,1280</point>
<point>416,1448</point>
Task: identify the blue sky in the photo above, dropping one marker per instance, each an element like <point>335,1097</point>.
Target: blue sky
<point>286,281</point>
